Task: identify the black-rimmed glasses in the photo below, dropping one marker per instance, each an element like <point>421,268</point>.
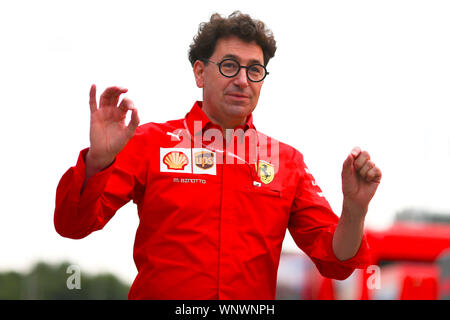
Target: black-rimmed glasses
<point>230,68</point>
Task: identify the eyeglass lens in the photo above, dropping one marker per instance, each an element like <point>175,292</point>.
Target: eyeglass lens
<point>231,68</point>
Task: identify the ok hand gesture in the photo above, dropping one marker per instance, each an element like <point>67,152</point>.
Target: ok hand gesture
<point>108,131</point>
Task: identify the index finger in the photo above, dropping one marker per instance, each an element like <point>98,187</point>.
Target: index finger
<point>361,160</point>
<point>110,97</point>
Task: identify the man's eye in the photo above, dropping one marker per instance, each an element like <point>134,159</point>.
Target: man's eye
<point>255,69</point>
<point>229,65</point>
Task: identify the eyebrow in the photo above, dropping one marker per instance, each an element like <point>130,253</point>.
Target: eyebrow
<point>232,56</point>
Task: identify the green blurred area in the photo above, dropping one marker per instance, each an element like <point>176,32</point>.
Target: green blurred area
<point>56,282</point>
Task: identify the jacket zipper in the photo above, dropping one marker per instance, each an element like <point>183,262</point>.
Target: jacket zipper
<point>220,229</point>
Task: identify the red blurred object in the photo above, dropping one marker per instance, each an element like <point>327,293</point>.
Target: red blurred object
<point>409,242</point>
<point>413,281</point>
<point>326,290</point>
<point>407,254</point>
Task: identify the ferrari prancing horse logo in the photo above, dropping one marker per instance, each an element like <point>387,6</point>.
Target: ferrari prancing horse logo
<point>266,171</point>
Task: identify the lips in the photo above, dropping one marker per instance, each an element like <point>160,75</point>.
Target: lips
<point>238,95</point>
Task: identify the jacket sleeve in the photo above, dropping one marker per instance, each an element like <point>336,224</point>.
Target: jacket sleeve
<point>312,224</point>
<point>79,213</point>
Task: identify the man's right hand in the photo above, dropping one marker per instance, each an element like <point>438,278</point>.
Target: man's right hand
<point>108,132</point>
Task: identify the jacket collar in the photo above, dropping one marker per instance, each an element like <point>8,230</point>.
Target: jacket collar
<point>197,120</point>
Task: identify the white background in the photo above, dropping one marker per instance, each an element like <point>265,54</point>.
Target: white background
<point>370,73</point>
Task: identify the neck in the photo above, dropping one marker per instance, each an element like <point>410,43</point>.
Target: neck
<point>224,123</point>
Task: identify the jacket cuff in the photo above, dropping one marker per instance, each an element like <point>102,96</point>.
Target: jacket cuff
<point>330,266</point>
<point>95,185</point>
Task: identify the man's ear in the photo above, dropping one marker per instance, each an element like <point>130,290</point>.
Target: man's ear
<point>199,73</point>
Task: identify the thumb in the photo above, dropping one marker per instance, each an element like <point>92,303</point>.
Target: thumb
<point>348,175</point>
<point>355,152</point>
<point>134,121</point>
<point>347,167</point>
<point>348,171</point>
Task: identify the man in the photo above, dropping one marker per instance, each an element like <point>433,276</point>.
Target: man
<point>215,196</point>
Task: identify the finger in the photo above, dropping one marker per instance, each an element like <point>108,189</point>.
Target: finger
<point>348,173</point>
<point>365,168</point>
<point>110,97</point>
<point>93,98</point>
<point>125,105</point>
<point>348,164</point>
<point>361,160</point>
<point>355,152</point>
<point>134,121</point>
<point>374,175</point>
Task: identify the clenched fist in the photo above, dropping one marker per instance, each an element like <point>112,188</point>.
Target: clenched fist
<point>360,179</point>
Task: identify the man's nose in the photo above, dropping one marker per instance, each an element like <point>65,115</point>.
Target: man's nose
<point>241,79</point>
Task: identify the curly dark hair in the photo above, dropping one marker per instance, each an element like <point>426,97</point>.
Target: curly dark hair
<point>237,24</point>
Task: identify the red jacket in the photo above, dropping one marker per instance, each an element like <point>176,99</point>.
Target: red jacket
<point>209,228</point>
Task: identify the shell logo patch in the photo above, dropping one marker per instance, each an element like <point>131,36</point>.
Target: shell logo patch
<point>204,159</point>
<point>175,160</point>
<point>266,171</point>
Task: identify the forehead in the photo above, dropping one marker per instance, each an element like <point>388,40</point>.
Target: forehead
<point>244,51</point>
